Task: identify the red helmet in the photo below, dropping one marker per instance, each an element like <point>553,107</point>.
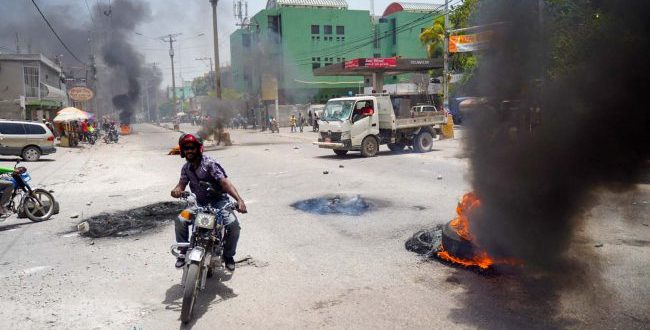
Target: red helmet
<point>190,138</point>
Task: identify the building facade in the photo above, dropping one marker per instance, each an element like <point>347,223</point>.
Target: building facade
<point>31,87</point>
<point>290,38</point>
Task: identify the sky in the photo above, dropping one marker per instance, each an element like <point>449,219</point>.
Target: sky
<point>191,18</point>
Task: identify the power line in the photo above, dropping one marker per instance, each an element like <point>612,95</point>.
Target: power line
<point>57,35</point>
<point>92,19</point>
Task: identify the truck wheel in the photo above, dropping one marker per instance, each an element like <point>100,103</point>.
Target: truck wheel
<point>340,152</point>
<point>423,142</point>
<point>395,147</point>
<point>369,146</point>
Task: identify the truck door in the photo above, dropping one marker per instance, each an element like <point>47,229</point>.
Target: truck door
<point>364,121</point>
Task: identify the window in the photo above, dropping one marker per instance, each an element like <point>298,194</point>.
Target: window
<point>12,128</point>
<point>376,55</point>
<point>315,65</point>
<point>31,81</point>
<point>327,29</point>
<point>315,29</point>
<point>34,129</point>
<point>340,29</point>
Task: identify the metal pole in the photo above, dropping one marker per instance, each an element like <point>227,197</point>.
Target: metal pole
<point>445,70</point>
<point>217,69</point>
<point>171,56</point>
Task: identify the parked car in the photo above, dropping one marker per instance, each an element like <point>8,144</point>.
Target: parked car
<point>26,139</point>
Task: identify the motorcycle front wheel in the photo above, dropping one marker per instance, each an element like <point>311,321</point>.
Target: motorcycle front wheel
<point>39,205</point>
<point>191,286</point>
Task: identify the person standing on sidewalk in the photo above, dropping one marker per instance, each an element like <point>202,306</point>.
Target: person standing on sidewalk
<point>310,117</point>
<point>292,123</point>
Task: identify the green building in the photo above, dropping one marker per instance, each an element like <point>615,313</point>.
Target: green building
<point>290,38</point>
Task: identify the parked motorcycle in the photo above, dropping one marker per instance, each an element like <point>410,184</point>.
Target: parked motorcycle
<point>204,251</point>
<point>37,204</point>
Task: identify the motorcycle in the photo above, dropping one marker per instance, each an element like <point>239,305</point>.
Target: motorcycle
<point>111,135</point>
<point>204,251</point>
<point>37,204</point>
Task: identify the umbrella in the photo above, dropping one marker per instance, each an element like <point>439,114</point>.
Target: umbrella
<point>71,115</point>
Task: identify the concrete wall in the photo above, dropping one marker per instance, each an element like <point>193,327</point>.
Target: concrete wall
<point>12,83</point>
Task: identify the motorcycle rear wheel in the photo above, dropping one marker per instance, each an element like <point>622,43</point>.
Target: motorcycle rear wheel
<point>191,286</point>
<point>39,206</point>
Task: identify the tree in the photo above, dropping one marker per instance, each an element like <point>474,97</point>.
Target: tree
<point>433,38</point>
<point>201,85</point>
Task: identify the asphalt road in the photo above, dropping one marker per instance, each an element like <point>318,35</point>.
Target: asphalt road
<point>304,270</point>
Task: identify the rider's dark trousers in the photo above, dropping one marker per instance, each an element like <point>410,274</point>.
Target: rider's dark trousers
<point>231,237</point>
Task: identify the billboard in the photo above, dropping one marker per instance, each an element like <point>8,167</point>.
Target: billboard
<point>469,42</point>
<point>269,87</point>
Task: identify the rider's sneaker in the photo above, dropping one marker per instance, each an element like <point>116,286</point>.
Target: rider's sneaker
<point>180,262</point>
<point>230,263</point>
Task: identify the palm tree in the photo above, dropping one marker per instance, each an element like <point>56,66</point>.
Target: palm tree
<point>433,37</point>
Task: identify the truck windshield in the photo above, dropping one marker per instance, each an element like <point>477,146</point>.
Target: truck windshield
<point>338,110</point>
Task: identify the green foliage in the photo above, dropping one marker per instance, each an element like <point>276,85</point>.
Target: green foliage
<point>167,109</point>
<point>201,85</point>
<point>433,38</point>
<point>231,94</point>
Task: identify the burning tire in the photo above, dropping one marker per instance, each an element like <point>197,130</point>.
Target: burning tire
<point>456,245</point>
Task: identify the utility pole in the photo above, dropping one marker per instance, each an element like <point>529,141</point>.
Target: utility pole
<point>211,73</point>
<point>217,69</point>
<point>171,38</point>
<point>445,70</point>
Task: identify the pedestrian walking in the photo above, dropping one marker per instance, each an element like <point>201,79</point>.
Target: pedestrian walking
<point>311,118</point>
<point>301,121</point>
<point>292,123</point>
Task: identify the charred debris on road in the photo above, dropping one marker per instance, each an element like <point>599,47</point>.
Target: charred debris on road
<point>130,222</point>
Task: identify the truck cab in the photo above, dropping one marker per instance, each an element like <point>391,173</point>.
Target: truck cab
<point>364,122</point>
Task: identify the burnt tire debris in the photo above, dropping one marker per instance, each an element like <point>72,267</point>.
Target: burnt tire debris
<point>130,222</point>
<point>333,205</point>
<point>427,243</point>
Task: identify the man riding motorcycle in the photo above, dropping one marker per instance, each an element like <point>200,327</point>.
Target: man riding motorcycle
<point>200,168</point>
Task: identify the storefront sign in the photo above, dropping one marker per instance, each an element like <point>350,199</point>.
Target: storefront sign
<point>80,94</point>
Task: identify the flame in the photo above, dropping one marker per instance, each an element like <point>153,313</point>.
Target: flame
<point>125,129</point>
<point>460,224</point>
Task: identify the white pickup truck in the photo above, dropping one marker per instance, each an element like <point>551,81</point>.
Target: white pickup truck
<point>364,122</point>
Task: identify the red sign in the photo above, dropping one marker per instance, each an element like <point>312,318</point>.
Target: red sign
<point>389,62</point>
<point>372,63</point>
<point>351,64</point>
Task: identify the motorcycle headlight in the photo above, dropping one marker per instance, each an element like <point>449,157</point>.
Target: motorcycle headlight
<point>205,220</point>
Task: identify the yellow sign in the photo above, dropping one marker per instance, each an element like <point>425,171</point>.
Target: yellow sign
<point>269,88</point>
<point>81,94</point>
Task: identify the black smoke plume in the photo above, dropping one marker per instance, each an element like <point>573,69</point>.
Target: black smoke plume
<point>121,57</point>
<point>575,119</point>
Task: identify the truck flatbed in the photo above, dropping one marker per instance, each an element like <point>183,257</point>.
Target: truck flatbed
<point>420,119</point>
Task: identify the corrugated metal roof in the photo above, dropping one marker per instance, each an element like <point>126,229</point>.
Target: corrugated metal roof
<point>307,3</point>
<point>422,7</point>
